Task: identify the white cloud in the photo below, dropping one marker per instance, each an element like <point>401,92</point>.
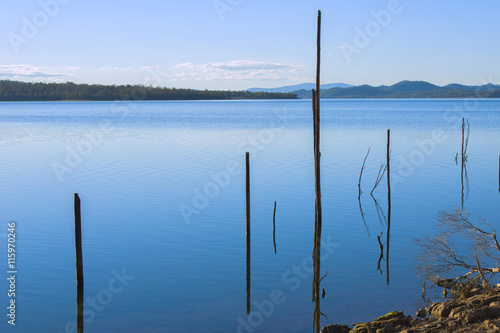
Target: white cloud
<point>34,73</point>
<point>235,70</point>
<point>110,68</point>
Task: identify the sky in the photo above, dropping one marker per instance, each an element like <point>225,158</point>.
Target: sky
<point>240,44</point>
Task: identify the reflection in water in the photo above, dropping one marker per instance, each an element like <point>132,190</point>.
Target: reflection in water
<point>388,202</point>
<point>248,275</point>
<point>79,263</point>
<point>363,216</point>
<point>380,211</point>
<point>274,227</point>
<point>465,144</point>
<point>381,252</point>
<point>361,174</point>
<point>465,184</point>
<point>79,310</point>
<point>248,227</point>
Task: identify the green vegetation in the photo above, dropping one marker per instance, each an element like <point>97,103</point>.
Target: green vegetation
<point>409,89</point>
<point>24,91</point>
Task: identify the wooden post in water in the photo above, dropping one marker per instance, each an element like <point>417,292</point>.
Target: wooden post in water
<point>248,227</point>
<point>248,194</point>
<point>388,201</point>
<point>79,264</point>
<point>463,140</point>
<point>79,311</point>
<point>274,227</point>
<point>78,243</point>
<point>317,158</point>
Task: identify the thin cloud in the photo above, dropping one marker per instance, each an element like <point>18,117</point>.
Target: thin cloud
<point>33,73</point>
<point>110,68</point>
<point>235,70</point>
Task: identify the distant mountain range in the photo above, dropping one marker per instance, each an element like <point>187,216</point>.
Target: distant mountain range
<point>407,89</point>
<point>403,89</point>
<point>303,86</point>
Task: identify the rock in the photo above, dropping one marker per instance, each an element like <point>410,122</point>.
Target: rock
<point>456,312</point>
<point>492,326</point>
<point>443,310</point>
<point>421,313</point>
<point>490,299</point>
<point>391,315</point>
<point>381,330</point>
<point>470,293</point>
<point>335,329</point>
<point>430,307</point>
<point>415,322</point>
<point>390,329</point>
<point>360,328</point>
<point>473,315</point>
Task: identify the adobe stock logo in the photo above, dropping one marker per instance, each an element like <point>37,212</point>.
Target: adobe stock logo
<point>31,27</point>
<point>224,6</point>
<point>93,306</point>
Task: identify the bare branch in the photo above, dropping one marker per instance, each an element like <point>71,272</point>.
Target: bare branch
<point>361,174</point>
<point>439,255</point>
<point>380,175</point>
<point>379,210</point>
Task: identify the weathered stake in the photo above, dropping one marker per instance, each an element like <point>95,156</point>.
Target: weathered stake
<point>248,194</point>
<point>78,244</point>
<point>388,201</point>
<point>79,264</point>
<point>274,227</point>
<point>248,227</point>
<point>317,213</point>
<point>317,158</point>
<point>463,139</point>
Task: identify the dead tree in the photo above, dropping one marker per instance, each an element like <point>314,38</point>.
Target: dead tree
<point>475,260</point>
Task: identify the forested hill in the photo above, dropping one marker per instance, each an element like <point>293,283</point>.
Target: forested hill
<point>409,89</point>
<point>25,91</point>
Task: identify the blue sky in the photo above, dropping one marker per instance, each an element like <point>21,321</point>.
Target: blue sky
<point>239,44</point>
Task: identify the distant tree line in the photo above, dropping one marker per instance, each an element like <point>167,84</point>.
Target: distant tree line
<point>27,91</point>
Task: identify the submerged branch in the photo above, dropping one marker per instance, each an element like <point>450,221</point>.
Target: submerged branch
<point>380,175</point>
<point>439,255</point>
<point>361,174</point>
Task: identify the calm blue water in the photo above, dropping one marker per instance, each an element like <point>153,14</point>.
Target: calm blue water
<point>162,186</point>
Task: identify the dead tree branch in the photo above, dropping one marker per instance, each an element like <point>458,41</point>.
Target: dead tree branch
<point>380,175</point>
<point>439,256</point>
<point>361,174</point>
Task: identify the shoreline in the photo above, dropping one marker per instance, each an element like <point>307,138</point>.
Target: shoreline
<point>471,311</point>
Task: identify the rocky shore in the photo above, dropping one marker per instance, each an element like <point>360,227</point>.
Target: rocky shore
<point>472,311</point>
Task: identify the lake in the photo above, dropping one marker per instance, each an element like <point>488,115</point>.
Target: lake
<point>162,186</point>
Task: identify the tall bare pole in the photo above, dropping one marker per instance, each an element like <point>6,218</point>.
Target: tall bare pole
<point>79,264</point>
<point>388,202</point>
<point>317,157</point>
<point>247,155</point>
<point>78,244</point>
<point>274,227</point>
